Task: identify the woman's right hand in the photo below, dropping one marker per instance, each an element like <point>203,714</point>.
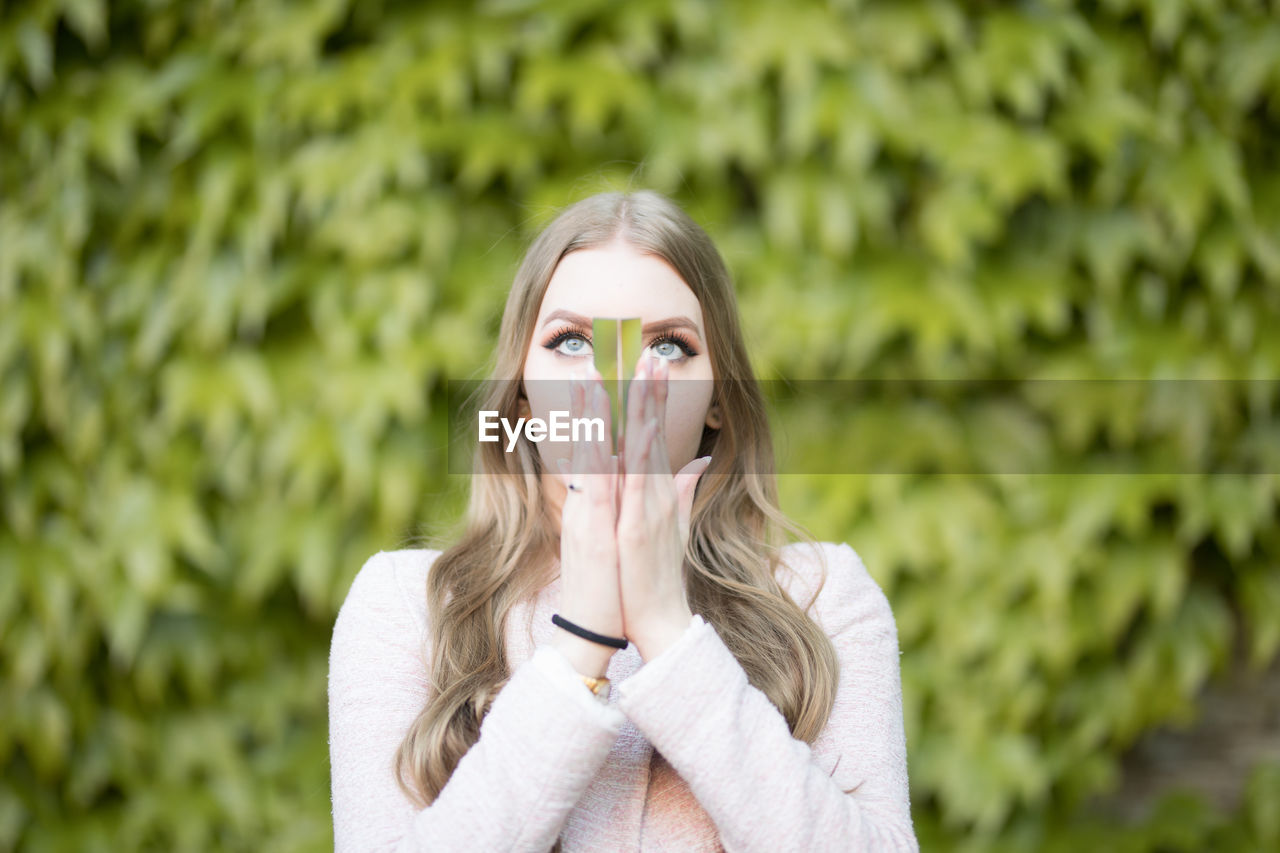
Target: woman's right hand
<point>590,594</point>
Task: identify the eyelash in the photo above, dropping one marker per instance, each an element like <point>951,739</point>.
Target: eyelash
<point>676,338</point>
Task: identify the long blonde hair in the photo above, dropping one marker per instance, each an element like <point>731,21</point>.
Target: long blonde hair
<point>735,526</point>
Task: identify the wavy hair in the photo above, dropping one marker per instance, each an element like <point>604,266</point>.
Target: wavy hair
<point>735,529</point>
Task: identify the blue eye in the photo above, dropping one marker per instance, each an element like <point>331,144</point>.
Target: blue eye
<point>568,342</point>
<point>673,347</point>
<point>667,349</point>
<point>569,347</point>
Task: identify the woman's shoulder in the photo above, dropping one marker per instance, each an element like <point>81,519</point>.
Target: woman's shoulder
<point>391,585</point>
<point>377,654</point>
<point>834,582</point>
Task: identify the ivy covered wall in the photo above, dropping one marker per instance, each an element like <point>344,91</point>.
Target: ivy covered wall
<point>244,246</point>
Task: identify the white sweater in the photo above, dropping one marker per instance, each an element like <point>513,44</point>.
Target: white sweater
<point>687,755</point>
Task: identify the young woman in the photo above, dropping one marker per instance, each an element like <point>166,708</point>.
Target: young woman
<point>757,701</point>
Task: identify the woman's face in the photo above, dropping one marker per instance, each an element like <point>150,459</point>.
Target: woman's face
<point>618,280</point>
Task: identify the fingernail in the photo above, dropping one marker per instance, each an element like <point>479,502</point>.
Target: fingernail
<point>706,460</point>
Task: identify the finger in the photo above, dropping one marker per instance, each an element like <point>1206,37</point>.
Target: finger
<point>634,416</point>
<point>603,465</point>
<point>577,457</point>
<point>643,449</point>
<point>566,476</point>
<point>655,452</point>
<point>652,457</point>
<point>636,422</point>
<point>600,408</point>
<point>659,477</point>
<point>615,486</point>
<point>595,442</point>
<point>582,408</point>
<point>601,459</point>
<point>646,402</point>
<point>687,484</point>
<point>655,458</point>
<point>660,493</point>
<point>633,479</point>
<point>660,387</point>
<point>610,478</point>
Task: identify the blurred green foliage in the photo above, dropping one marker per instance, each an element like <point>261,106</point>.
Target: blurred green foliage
<point>243,245</point>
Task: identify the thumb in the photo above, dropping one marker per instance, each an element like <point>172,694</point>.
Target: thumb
<point>686,481</point>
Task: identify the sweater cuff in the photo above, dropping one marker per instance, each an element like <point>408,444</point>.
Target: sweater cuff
<point>552,663</point>
<point>672,689</point>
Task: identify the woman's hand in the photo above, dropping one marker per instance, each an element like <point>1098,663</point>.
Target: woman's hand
<point>590,595</point>
<point>653,520</point>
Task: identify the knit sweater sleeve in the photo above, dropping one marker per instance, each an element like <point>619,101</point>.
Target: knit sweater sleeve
<point>540,744</point>
<point>762,788</point>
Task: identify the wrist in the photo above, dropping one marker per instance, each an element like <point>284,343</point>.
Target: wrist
<point>588,658</point>
<point>663,635</point>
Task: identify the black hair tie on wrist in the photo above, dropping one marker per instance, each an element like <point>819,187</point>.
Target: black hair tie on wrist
<point>615,642</point>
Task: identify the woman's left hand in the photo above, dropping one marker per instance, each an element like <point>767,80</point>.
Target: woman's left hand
<point>653,520</point>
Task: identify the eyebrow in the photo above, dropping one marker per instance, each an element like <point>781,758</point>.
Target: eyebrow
<point>679,321</point>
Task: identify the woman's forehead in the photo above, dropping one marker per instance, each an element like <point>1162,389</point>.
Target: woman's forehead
<point>618,281</point>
